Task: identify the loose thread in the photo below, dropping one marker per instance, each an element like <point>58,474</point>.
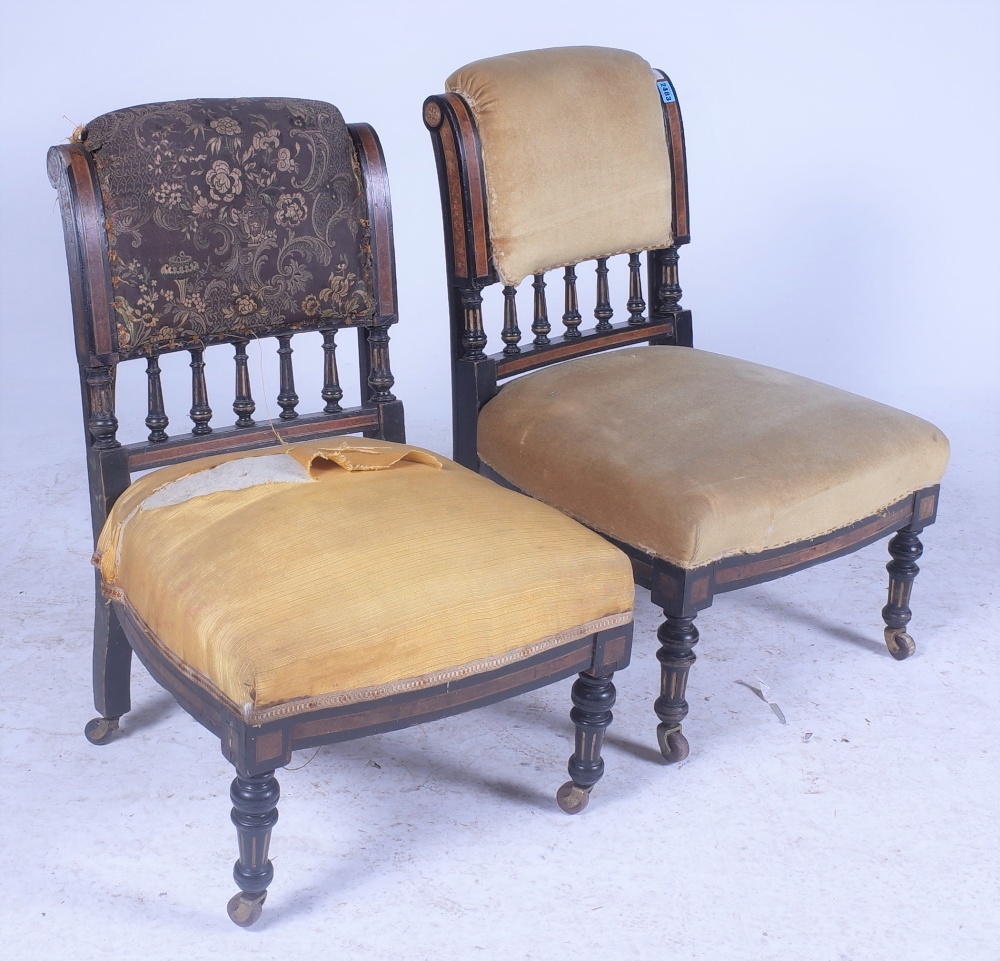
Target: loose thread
<point>267,406</point>
<point>78,131</point>
<point>307,763</point>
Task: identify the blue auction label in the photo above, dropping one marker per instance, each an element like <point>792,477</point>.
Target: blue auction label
<point>666,91</point>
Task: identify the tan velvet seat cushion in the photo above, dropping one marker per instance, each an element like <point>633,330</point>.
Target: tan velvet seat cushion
<point>693,456</point>
<point>288,582</point>
<point>574,155</point>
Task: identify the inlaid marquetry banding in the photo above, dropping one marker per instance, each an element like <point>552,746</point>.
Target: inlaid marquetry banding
<point>269,745</point>
<point>372,162</point>
<point>469,138</point>
<point>532,357</point>
<point>674,130</point>
<point>95,248</point>
<point>456,208</point>
<point>733,569</point>
<point>481,666</point>
<point>256,718</point>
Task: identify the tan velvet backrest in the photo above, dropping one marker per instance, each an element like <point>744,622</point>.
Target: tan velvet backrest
<point>575,156</point>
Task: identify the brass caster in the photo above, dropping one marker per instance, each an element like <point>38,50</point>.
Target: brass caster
<point>245,909</point>
<point>900,644</point>
<point>572,798</point>
<point>100,729</point>
<point>673,744</point>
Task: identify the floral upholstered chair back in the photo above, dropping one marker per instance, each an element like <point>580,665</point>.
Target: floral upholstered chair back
<point>229,219</point>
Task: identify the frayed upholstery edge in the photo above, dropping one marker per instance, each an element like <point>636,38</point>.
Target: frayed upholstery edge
<point>257,718</point>
<point>575,263</point>
<point>687,565</point>
<point>406,685</point>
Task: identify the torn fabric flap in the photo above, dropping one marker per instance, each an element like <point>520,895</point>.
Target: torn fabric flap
<point>294,466</point>
<point>361,456</point>
<point>299,463</point>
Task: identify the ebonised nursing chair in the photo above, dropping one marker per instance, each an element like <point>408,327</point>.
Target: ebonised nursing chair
<point>710,472</point>
<point>288,583</point>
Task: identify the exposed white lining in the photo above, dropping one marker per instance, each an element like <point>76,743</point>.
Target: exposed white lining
<point>231,475</point>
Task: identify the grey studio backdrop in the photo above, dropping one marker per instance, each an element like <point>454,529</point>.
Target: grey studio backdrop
<point>844,206</point>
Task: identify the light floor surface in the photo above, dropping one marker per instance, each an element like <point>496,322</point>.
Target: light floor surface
<point>864,828</point>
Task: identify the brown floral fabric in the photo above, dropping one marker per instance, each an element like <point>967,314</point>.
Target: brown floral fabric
<point>231,218</point>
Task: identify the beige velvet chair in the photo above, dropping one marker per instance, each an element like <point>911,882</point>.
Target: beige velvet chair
<point>710,472</point>
<point>289,583</point>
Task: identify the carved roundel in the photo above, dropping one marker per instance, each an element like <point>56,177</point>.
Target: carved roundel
<point>432,114</point>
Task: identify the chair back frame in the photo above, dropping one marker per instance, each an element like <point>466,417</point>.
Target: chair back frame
<point>72,172</point>
<point>477,375</point>
<point>256,751</point>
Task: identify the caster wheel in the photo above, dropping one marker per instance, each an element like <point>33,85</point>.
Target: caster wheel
<point>572,799</point>
<point>900,644</point>
<point>673,745</point>
<point>100,729</point>
<point>245,910</point>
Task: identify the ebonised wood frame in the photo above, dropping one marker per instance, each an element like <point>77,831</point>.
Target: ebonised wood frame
<point>256,751</point>
<point>477,377</point>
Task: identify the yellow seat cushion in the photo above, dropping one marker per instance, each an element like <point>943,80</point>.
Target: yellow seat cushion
<point>574,155</point>
<point>318,576</point>
<point>692,456</point>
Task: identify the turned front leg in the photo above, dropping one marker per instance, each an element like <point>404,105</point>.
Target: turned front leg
<point>905,548</point>
<point>593,698</point>
<point>677,636</point>
<point>255,812</point>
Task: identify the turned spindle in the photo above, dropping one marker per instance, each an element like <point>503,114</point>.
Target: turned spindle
<point>571,317</point>
<point>331,391</point>
<point>473,336</point>
<point>380,378</point>
<point>511,333</point>
<point>243,405</point>
<point>540,326</point>
<point>603,311</point>
<point>156,419</point>
<point>287,398</point>
<point>201,413</point>
<point>635,305</point>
